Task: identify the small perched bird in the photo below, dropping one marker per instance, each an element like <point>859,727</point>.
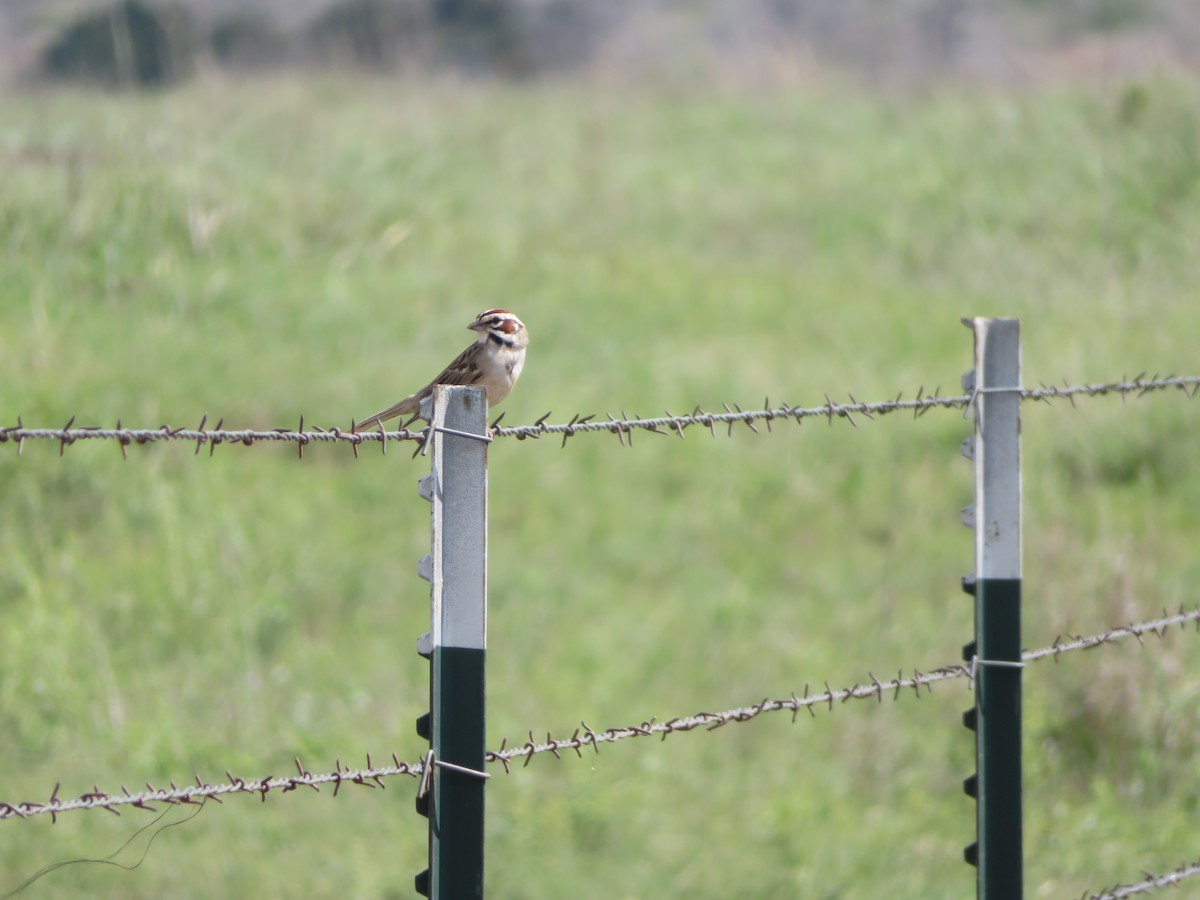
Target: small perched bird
<point>495,361</point>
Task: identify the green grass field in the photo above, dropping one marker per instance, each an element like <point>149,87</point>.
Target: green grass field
<point>257,251</point>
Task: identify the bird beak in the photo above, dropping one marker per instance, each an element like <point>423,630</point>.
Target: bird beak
<point>477,326</point>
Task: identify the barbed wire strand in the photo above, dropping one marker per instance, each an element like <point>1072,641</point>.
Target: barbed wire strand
<point>1150,883</point>
<point>584,737</point>
<point>369,777</point>
<point>875,689</point>
<point>622,427</point>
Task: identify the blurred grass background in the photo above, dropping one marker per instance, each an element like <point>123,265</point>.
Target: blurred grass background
<point>261,249</point>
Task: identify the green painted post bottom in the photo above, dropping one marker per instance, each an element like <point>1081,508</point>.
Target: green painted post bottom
<point>998,740</point>
<point>459,737</point>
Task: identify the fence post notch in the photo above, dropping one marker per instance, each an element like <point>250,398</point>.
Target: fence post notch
<point>456,644</point>
<point>995,654</point>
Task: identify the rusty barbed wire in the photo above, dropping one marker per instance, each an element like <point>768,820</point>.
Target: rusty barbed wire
<point>1150,883</point>
<point>623,427</point>
<point>68,435</point>
<point>583,737</point>
<point>1140,385</point>
<point>874,689</point>
<point>371,776</point>
<point>1157,627</point>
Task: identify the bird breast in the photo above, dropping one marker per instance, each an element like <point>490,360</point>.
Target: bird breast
<point>501,371</point>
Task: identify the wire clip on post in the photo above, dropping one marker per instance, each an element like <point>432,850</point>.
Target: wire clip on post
<point>994,655</point>
<point>451,792</point>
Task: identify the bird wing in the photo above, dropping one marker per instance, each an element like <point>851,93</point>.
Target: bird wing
<point>462,370</point>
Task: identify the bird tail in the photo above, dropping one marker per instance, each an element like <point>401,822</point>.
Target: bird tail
<point>406,406</point>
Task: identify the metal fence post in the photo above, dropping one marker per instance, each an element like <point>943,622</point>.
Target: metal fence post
<point>452,789</point>
<point>995,654</point>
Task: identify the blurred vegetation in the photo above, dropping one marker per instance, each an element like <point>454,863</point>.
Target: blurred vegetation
<point>481,34</point>
<point>134,44</point>
<point>154,42</point>
<point>282,247</point>
<point>1074,16</point>
<point>371,33</point>
<point>127,45</point>
<point>248,40</point>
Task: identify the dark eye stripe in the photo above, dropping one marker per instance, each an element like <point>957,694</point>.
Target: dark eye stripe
<point>501,320</point>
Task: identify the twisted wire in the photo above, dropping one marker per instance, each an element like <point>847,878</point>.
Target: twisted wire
<point>370,776</point>
<point>68,435</point>
<point>1157,627</point>
<point>586,737</point>
<point>582,738</point>
<point>622,427</point>
<point>1150,883</point>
